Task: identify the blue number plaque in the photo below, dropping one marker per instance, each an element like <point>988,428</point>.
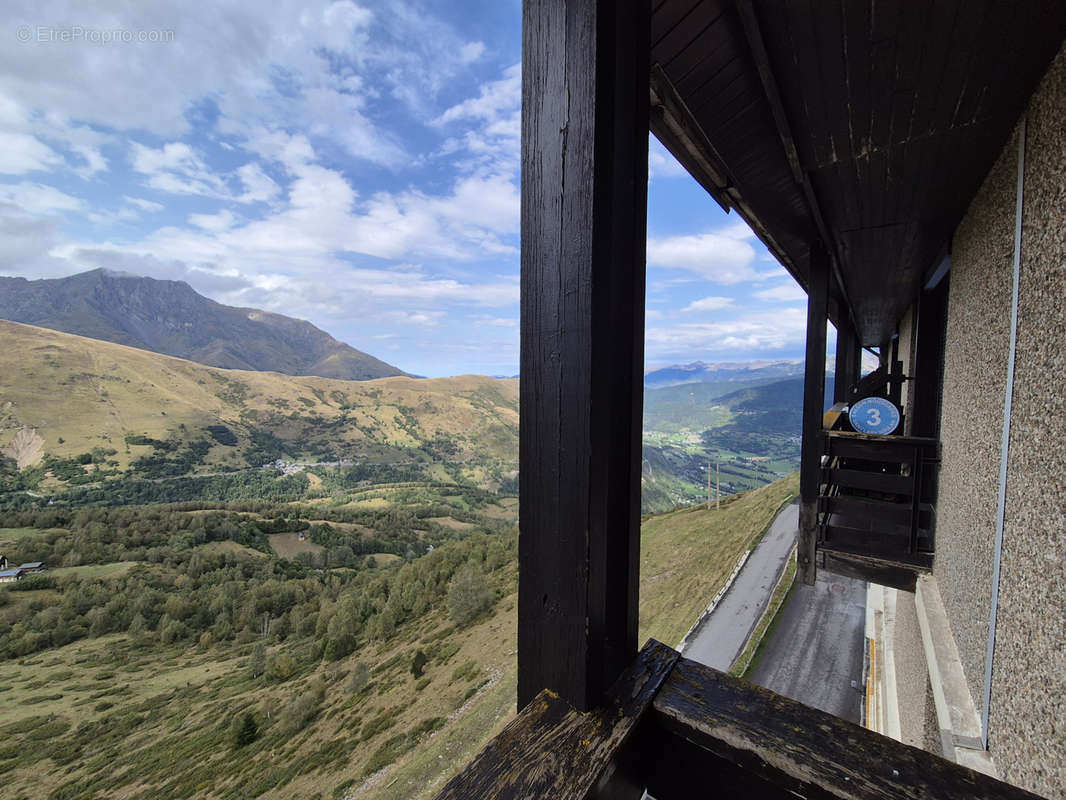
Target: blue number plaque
<point>874,415</point>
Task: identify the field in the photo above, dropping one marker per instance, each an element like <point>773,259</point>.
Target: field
<point>289,545</point>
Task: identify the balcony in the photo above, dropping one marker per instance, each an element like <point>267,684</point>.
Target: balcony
<point>876,506</point>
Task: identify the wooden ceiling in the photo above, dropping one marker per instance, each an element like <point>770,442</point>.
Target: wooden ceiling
<point>867,123</point>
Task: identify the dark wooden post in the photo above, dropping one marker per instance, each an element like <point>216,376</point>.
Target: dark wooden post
<point>813,408</point>
<point>584,217</point>
<point>846,362</point>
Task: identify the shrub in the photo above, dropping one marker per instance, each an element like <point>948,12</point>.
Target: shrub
<point>418,664</point>
<point>281,666</point>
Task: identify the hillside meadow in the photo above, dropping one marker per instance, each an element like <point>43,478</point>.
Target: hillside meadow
<point>388,704</point>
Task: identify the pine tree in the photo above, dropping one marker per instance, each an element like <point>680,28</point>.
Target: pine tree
<point>246,731</point>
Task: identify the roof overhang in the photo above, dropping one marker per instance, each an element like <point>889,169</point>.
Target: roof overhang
<point>868,126</point>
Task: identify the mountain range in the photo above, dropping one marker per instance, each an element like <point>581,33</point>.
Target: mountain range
<point>725,372</point>
<point>169,317</point>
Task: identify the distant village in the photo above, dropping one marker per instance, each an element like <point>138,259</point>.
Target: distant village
<point>10,575</point>
<point>292,467</point>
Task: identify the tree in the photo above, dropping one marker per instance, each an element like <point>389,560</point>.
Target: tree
<point>244,730</point>
<point>342,629</point>
<point>138,629</point>
<point>418,664</point>
<point>468,594</point>
<point>257,663</point>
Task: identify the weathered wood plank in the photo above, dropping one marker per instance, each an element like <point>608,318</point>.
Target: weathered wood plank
<point>803,750</point>
<point>585,100</point>
<point>864,568</point>
<point>889,546</point>
<point>551,750</point>
<point>887,449</point>
<point>881,511</point>
<point>869,481</point>
<point>932,445</point>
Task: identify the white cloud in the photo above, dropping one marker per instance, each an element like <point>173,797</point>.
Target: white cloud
<point>35,198</point>
<point>721,256</point>
<point>494,98</point>
<point>144,205</point>
<point>176,168</point>
<point>661,163</point>
<point>497,322</point>
<point>786,293</point>
<point>216,223</point>
<point>761,332</point>
<point>709,304</point>
<point>258,186</point>
<point>28,240</point>
<point>21,153</point>
<point>493,142</point>
<point>423,319</point>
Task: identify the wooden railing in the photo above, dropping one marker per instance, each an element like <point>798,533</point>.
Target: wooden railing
<point>677,729</point>
<point>877,499</point>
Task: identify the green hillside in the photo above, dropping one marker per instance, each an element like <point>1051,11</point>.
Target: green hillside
<point>179,654</point>
<point>109,418</point>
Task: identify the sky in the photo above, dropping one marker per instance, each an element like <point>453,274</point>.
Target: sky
<point>355,165</point>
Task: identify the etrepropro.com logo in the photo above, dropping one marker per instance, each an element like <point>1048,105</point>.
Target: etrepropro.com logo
<point>75,34</point>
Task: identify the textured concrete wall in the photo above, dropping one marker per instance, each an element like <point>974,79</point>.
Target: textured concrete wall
<point>975,374</point>
<point>1028,721</point>
<point>1028,709</point>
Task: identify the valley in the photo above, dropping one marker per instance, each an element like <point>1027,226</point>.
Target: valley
<point>747,422</point>
<point>265,585</point>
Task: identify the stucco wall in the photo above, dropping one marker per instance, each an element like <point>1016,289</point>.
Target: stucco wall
<point>1028,709</point>
<point>975,373</point>
<point>1028,720</point>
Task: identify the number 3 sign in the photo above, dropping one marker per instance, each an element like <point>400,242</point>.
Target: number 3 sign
<point>874,415</point>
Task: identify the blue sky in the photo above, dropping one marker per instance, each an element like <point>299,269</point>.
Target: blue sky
<point>353,165</point>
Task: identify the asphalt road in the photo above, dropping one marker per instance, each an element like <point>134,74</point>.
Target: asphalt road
<point>815,651</point>
<point>721,638</point>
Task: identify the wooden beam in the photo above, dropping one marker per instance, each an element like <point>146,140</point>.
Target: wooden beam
<point>585,91</point>
<point>753,32</point>
<point>812,446</point>
<point>552,750</point>
<point>788,749</point>
<point>846,361</point>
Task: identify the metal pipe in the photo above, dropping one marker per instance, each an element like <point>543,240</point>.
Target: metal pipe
<point>1005,442</point>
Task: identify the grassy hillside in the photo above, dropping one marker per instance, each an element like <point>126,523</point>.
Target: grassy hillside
<point>686,555</point>
<point>104,412</point>
<point>183,622</point>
